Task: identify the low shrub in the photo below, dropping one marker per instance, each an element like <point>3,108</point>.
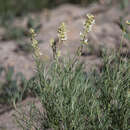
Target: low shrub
<point>76,100</point>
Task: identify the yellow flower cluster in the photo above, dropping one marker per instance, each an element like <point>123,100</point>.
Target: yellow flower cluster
<point>52,42</point>
<point>87,27</point>
<point>53,46</point>
<point>62,34</point>
<point>90,21</point>
<point>37,52</point>
<point>128,22</point>
<point>56,52</point>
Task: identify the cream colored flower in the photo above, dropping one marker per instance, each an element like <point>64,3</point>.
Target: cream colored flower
<point>62,34</point>
<point>58,53</point>
<point>52,42</point>
<point>87,27</point>
<point>86,41</point>
<point>36,49</point>
<point>128,22</point>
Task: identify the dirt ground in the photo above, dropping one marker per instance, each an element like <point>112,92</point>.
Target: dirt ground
<point>106,33</point>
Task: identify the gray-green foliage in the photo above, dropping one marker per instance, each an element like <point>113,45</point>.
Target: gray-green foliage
<point>75,100</point>
<point>124,4</point>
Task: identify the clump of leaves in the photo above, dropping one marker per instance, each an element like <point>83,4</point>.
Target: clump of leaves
<point>13,86</point>
<point>13,32</point>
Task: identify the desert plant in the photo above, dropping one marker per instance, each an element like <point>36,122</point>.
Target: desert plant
<point>74,99</point>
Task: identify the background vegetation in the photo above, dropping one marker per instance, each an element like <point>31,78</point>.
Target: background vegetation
<point>17,7</point>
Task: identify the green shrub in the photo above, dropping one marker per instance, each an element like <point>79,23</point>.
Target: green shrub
<point>76,100</point>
